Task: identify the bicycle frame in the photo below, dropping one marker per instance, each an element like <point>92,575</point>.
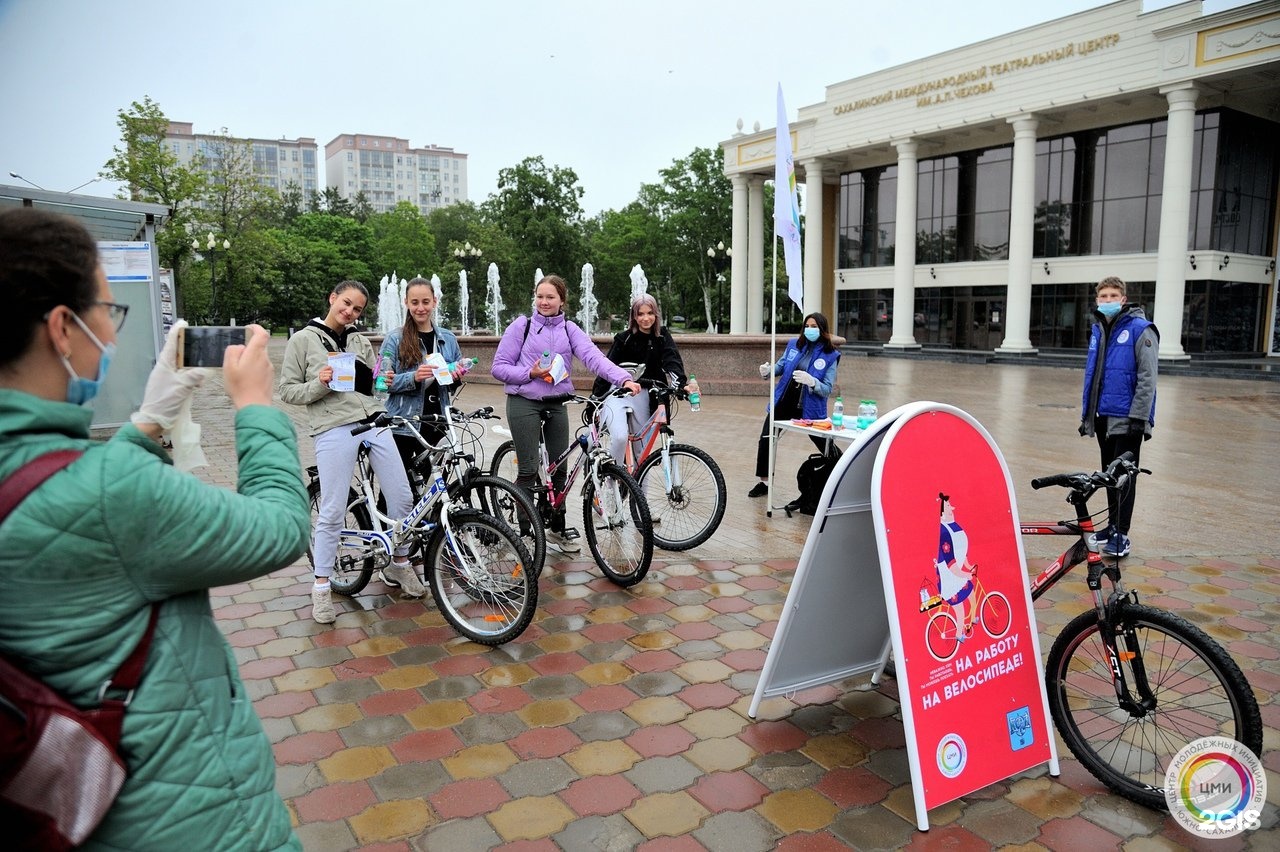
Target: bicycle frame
<point>656,431</point>
<point>395,532</point>
<point>1097,566</point>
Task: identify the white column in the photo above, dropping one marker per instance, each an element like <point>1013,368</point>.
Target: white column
<point>738,264</point>
<point>904,252</point>
<point>1022,215</point>
<point>1175,218</point>
<point>755,254</point>
<point>814,242</point>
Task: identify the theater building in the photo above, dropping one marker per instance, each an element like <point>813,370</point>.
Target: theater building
<point>989,188</point>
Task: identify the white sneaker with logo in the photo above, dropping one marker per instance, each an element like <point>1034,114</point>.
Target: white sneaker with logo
<point>400,575</point>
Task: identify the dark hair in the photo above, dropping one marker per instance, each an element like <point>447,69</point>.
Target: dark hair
<point>46,260</point>
<point>557,282</point>
<point>348,284</point>
<point>410,351</point>
<point>824,332</point>
<point>646,299</point>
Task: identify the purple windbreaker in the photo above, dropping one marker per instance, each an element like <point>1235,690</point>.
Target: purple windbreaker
<point>557,335</point>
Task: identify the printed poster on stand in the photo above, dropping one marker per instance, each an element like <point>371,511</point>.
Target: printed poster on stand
<point>964,636</point>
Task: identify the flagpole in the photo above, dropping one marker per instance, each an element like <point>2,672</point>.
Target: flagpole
<point>773,360</point>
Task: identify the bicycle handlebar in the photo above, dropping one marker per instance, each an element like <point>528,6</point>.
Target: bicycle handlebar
<point>1117,475</point>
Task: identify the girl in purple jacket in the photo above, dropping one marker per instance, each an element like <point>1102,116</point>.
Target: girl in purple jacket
<point>536,394</point>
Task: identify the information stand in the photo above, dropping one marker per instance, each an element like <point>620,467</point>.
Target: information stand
<point>913,507</point>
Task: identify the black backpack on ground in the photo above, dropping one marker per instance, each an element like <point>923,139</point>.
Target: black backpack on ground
<point>811,478</point>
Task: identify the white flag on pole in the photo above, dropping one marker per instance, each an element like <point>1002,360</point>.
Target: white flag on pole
<point>786,209</point>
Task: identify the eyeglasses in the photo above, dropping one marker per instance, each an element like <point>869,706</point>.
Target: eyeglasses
<point>116,312</point>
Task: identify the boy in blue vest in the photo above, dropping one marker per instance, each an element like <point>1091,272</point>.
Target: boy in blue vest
<point>1119,401</point>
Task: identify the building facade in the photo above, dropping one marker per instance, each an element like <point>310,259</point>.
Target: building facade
<point>972,200</point>
<point>387,170</point>
<point>277,163</point>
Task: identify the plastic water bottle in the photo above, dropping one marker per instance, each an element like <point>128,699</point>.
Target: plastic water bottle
<point>695,396</point>
<point>837,414</point>
<point>380,388</point>
<point>866,413</point>
<point>545,363</point>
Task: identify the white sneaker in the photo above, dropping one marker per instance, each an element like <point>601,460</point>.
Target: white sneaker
<point>565,541</point>
<point>403,577</point>
<point>322,605</point>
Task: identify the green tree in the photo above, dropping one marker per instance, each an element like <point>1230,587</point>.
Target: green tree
<point>361,207</point>
<point>402,242</point>
<point>618,240</point>
<point>151,171</point>
<point>235,207</point>
<point>539,208</point>
<point>695,204</point>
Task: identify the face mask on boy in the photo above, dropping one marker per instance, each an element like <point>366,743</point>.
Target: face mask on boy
<point>1109,309</point>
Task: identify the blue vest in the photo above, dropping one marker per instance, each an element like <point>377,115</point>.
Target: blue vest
<point>1120,366</point>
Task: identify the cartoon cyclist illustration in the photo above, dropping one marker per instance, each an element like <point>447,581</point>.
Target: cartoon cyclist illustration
<point>954,570</point>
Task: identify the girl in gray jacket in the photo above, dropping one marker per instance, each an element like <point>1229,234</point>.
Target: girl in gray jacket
<point>305,378</point>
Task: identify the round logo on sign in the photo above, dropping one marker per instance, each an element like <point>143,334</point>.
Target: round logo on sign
<point>952,755</point>
<point>1216,787</point>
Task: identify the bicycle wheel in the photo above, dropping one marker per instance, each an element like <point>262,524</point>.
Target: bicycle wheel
<point>479,578</point>
<point>1197,691</point>
<point>942,636</point>
<point>689,512</point>
<point>995,614</point>
<point>616,521</point>
<point>354,565</point>
<point>503,499</point>
<point>505,466</point>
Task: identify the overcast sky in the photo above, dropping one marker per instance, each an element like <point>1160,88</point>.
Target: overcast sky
<point>613,90</point>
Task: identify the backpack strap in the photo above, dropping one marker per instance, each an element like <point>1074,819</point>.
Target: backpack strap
<point>24,480</point>
<point>109,716</point>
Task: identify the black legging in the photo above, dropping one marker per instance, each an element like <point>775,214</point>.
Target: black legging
<point>1119,506</point>
<point>762,451</point>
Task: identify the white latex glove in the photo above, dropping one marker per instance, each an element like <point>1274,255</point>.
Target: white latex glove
<point>804,378</point>
<point>765,369</point>
<point>168,388</point>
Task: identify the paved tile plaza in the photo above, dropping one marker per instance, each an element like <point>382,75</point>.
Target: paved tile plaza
<point>618,720</point>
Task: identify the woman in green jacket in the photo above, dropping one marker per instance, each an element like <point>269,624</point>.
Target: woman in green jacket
<point>98,543</point>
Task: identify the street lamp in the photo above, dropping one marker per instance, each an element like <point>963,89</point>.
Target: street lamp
<point>83,185</point>
<point>469,258</point>
<point>211,248</point>
<point>720,258</point>
<point>24,180</point>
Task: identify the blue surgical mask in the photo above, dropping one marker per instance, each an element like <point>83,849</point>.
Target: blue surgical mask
<point>1109,309</point>
<point>811,334</point>
<point>79,389</point>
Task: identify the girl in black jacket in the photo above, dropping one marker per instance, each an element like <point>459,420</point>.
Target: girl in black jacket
<point>645,343</point>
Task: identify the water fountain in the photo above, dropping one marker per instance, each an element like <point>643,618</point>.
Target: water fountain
<point>639,284</point>
<point>441,316</point>
<point>494,302</point>
<point>586,316</point>
<point>464,301</point>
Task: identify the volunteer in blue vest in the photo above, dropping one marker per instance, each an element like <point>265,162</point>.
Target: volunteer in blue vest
<point>807,372</point>
<point>1119,400</point>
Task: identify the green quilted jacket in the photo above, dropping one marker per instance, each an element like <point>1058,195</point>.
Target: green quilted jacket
<point>88,552</point>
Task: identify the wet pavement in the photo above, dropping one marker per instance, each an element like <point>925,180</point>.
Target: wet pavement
<point>618,720</point>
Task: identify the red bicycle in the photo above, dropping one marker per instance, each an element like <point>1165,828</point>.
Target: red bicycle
<point>1128,684</point>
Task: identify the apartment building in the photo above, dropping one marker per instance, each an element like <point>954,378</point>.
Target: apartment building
<point>388,170</point>
<point>276,162</point>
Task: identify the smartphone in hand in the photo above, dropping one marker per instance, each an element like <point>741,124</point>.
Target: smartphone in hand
<point>205,345</point>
